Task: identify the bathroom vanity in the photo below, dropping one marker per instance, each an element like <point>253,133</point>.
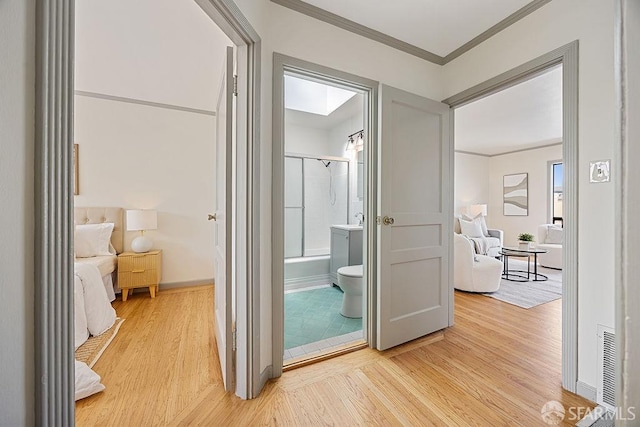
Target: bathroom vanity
<point>346,248</point>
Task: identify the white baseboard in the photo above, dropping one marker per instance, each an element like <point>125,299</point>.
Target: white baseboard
<point>587,391</point>
<point>303,282</point>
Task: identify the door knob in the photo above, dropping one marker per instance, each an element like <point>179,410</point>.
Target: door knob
<point>387,220</point>
<point>212,217</point>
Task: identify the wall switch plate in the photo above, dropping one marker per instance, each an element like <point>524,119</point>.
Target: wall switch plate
<point>599,171</point>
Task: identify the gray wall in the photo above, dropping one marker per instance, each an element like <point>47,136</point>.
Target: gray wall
<point>17,96</point>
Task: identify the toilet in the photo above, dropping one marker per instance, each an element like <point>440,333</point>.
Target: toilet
<point>350,281</point>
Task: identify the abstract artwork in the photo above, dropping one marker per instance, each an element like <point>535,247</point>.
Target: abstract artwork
<point>515,194</point>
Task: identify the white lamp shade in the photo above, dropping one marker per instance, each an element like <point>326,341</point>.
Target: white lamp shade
<point>474,210</point>
<point>140,220</point>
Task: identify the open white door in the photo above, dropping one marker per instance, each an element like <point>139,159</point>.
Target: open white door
<point>414,230</point>
<point>222,217</point>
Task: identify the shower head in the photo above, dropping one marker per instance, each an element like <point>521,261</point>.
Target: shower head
<point>325,163</point>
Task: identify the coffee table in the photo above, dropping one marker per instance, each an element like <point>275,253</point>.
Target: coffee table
<point>519,275</point>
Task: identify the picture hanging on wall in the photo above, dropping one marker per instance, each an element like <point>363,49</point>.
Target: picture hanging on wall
<point>516,194</point>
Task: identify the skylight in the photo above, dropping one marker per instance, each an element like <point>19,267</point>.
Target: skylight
<point>311,97</point>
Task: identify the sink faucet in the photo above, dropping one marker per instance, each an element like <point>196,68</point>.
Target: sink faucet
<point>360,217</point>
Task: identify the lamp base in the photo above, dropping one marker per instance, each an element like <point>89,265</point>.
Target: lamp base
<point>141,244</point>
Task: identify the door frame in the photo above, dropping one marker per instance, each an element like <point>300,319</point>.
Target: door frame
<point>281,65</point>
<point>53,263</point>
<point>566,55</point>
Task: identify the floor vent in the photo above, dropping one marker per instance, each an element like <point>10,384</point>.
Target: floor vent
<point>606,367</point>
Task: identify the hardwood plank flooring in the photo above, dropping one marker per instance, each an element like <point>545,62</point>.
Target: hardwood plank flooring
<point>497,366</point>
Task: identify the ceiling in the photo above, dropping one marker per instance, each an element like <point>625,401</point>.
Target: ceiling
<point>524,116</point>
<point>313,97</point>
<point>437,26</point>
<point>351,108</point>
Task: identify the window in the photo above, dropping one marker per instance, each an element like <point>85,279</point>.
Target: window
<point>556,193</point>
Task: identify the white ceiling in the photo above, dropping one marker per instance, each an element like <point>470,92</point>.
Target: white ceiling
<point>438,26</point>
<point>352,107</point>
<point>313,97</point>
<point>523,116</point>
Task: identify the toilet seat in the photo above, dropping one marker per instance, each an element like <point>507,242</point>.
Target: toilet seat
<point>351,271</point>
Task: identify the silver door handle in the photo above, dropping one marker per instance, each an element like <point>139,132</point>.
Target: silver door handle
<point>212,217</point>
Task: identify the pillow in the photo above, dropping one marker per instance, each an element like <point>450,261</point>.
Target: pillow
<point>87,381</point>
<point>483,223</point>
<point>93,240</point>
<point>554,235</point>
<point>471,228</point>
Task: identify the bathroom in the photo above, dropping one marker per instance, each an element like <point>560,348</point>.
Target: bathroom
<point>323,218</point>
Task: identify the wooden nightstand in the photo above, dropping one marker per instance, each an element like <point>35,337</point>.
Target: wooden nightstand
<point>139,271</point>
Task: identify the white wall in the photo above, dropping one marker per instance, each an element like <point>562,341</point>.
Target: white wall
<point>17,76</point>
<point>166,51</point>
<point>554,25</point>
<point>472,184</point>
<point>305,140</point>
<point>140,157</point>
<point>533,162</point>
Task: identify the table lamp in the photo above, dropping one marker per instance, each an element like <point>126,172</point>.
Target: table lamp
<point>141,220</point>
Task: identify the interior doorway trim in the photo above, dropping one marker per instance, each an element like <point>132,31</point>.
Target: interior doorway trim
<point>566,55</point>
<point>54,355</point>
<point>282,64</point>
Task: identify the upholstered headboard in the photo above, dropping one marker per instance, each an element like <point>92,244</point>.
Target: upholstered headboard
<point>100,215</point>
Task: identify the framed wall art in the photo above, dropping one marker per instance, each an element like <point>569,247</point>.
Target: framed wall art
<point>515,190</point>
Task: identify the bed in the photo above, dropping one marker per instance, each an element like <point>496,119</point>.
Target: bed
<point>98,239</point>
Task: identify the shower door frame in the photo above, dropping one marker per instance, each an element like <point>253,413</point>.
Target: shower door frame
<point>331,159</point>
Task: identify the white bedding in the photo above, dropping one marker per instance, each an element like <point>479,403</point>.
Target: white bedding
<point>93,311</point>
<point>106,265</point>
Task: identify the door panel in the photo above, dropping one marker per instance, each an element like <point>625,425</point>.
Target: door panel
<point>223,277</point>
<point>413,297</point>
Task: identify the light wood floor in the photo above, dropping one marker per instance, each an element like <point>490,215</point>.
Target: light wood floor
<point>496,367</point>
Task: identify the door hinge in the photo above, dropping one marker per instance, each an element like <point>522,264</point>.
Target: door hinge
<point>235,85</point>
<point>234,339</point>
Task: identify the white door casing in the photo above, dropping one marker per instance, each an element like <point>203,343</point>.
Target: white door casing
<point>223,218</point>
<point>414,202</point>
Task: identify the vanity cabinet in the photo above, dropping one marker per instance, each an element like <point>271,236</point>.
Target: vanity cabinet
<point>346,248</point>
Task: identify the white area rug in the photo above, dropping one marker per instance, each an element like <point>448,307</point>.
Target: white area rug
<point>529,294</point>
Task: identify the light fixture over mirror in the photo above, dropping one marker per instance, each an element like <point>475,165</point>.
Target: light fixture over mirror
<point>356,141</point>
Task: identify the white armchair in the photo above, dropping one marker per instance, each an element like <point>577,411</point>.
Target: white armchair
<point>469,275</point>
<point>495,239</point>
<point>550,238</point>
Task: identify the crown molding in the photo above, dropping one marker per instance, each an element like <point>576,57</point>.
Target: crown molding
<point>364,31</point>
<point>354,27</point>
<point>504,24</point>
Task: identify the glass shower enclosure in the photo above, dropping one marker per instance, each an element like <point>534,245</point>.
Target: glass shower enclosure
<point>316,196</point>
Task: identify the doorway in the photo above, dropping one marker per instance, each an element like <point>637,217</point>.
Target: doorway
<point>54,206</point>
<point>566,56</point>
<point>407,201</point>
<point>324,189</point>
